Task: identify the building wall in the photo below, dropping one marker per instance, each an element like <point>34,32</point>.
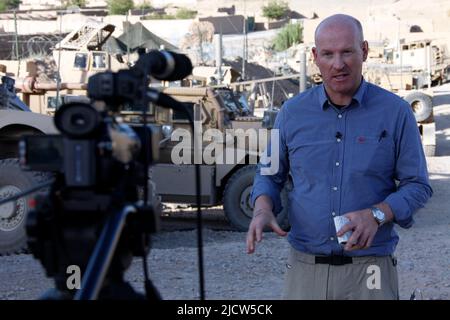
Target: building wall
<point>45,4</point>
<point>170,30</point>
<point>381,19</point>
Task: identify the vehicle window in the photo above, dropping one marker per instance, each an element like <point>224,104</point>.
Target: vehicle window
<point>178,115</point>
<point>99,61</point>
<point>53,104</point>
<point>80,61</point>
<point>129,107</point>
<point>229,101</point>
<point>244,105</point>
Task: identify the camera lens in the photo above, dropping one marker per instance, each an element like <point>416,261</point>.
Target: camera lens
<point>77,120</point>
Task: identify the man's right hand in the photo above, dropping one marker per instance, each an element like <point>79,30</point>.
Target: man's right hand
<point>261,218</point>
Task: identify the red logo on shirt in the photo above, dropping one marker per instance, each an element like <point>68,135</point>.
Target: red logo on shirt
<point>361,139</point>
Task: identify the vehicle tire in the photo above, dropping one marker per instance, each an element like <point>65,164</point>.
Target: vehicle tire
<point>236,200</point>
<point>421,104</point>
<point>13,214</point>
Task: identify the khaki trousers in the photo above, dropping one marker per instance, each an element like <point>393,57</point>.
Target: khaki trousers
<point>367,278</point>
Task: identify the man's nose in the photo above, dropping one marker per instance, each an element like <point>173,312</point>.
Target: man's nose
<point>338,62</point>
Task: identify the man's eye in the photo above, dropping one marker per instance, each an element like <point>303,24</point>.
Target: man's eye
<point>327,54</point>
<point>348,52</point>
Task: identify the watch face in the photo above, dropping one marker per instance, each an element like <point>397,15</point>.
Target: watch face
<point>378,215</point>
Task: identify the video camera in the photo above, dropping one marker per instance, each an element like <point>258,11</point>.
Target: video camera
<point>101,207</point>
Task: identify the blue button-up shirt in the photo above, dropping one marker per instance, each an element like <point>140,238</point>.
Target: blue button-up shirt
<point>343,160</point>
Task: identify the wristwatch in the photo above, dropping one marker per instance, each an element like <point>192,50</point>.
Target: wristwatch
<point>379,216</point>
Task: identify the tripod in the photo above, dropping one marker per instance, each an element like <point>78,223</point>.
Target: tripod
<point>99,242</point>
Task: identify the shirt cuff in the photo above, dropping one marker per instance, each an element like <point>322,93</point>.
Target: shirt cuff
<point>402,213</point>
<point>274,195</point>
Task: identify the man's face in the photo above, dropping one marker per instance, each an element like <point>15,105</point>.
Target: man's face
<point>339,54</point>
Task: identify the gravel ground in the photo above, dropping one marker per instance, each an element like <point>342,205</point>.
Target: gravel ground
<point>423,252</point>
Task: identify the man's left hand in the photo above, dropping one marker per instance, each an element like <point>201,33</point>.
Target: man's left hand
<point>364,227</point>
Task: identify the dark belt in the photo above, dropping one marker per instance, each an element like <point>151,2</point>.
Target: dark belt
<point>334,260</point>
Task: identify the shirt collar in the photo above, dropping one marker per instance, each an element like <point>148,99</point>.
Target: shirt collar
<point>358,96</point>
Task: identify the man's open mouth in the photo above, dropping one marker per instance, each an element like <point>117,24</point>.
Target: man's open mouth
<point>340,77</point>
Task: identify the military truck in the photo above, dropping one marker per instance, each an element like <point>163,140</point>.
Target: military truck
<point>82,53</point>
<point>222,182</point>
<point>217,108</point>
<point>230,184</point>
<point>410,69</point>
<point>15,121</point>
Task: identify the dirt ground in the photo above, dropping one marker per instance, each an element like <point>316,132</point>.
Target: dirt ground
<point>423,252</point>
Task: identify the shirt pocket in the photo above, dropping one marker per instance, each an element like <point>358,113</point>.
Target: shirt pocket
<point>372,155</point>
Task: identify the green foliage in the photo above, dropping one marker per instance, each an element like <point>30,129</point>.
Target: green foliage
<point>157,16</point>
<point>119,6</point>
<point>184,13</point>
<point>275,10</point>
<point>78,3</point>
<point>288,36</point>
<point>9,4</point>
<point>145,5</point>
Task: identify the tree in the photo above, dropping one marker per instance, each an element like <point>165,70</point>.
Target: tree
<point>275,10</point>
<point>288,36</point>
<point>78,3</point>
<point>199,34</point>
<point>9,4</point>
<point>119,6</point>
<point>184,13</point>
<point>145,5</point>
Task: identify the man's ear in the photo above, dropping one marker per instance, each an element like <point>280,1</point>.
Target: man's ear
<point>365,48</point>
<point>314,52</point>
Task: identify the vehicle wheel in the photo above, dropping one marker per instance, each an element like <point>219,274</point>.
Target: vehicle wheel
<point>13,214</point>
<point>236,200</point>
<point>421,104</point>
<point>429,150</point>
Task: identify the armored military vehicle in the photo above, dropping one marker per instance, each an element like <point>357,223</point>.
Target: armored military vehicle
<point>218,109</point>
<point>15,121</point>
<point>82,53</point>
<point>219,113</point>
<point>410,69</point>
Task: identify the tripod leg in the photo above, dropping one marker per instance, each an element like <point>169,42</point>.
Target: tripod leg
<point>102,255</point>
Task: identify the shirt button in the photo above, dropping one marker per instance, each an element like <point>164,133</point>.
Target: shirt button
<point>333,213</point>
<point>337,164</point>
<point>340,116</point>
<point>335,188</point>
<point>338,140</point>
<point>332,238</point>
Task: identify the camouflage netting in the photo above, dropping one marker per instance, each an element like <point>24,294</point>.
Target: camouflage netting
<point>137,36</point>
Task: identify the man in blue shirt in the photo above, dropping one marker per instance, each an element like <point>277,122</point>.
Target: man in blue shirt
<point>352,149</point>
